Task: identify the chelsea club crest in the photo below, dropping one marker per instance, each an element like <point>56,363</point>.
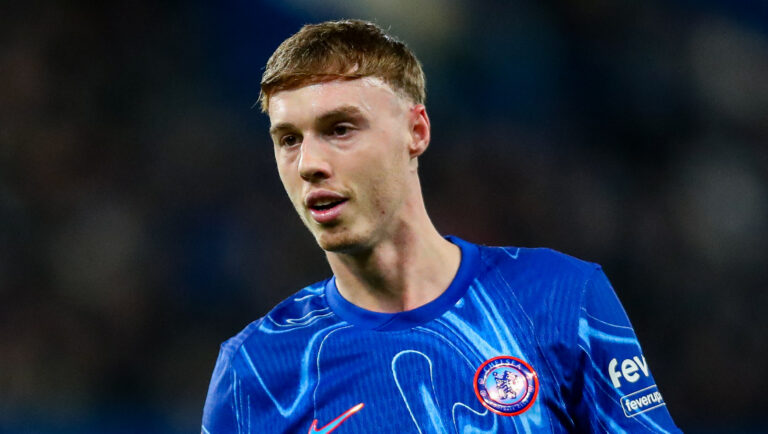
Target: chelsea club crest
<point>506,385</point>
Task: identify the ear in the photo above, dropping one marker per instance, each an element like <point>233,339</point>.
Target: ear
<point>419,129</point>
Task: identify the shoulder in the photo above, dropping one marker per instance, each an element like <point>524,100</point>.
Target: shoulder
<point>538,265</point>
<point>548,286</point>
<point>265,362</point>
<point>290,321</point>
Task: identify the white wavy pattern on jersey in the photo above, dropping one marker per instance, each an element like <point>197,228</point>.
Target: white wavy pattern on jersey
<point>465,421</point>
<point>307,365</point>
<point>310,295</point>
<point>305,320</point>
<point>483,345</point>
<point>317,363</point>
<point>606,323</point>
<point>418,396</point>
<point>600,382</point>
<point>489,339</point>
<point>243,422</point>
<point>510,254</point>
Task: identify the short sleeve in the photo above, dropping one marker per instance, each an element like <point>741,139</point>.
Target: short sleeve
<point>219,412</point>
<point>615,391</point>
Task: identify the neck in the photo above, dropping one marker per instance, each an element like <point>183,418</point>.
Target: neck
<point>406,270</point>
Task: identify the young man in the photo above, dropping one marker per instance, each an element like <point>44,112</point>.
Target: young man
<point>415,332</point>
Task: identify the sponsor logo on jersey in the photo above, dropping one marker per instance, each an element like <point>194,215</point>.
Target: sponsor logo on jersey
<point>332,425</point>
<point>641,401</point>
<point>629,369</point>
<point>506,385</point>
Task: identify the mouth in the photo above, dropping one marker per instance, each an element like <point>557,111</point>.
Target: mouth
<point>326,209</point>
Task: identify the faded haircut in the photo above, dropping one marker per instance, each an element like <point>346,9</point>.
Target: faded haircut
<point>342,50</point>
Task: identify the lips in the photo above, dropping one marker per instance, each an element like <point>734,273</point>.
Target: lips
<point>325,206</point>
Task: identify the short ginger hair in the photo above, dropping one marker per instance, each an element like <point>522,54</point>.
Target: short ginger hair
<point>342,50</point>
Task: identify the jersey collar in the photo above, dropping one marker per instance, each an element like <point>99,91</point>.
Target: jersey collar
<point>367,319</point>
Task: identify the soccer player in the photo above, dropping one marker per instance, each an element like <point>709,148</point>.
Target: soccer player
<point>415,332</point>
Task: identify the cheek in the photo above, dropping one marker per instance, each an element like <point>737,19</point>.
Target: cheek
<point>386,183</point>
<point>379,197</point>
<point>290,184</point>
<point>281,171</point>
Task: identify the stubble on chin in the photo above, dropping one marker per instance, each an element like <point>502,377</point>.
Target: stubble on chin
<point>334,242</point>
<point>340,240</point>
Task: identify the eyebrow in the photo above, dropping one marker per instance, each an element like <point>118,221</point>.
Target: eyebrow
<point>281,126</point>
<point>339,112</point>
<point>343,111</point>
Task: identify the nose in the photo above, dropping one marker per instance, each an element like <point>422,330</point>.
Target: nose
<point>314,165</point>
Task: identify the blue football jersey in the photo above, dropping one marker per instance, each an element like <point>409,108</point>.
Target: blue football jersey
<point>523,340</point>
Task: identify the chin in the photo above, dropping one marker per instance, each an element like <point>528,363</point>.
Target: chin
<point>341,241</point>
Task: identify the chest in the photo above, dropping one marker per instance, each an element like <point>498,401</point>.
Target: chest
<point>434,380</point>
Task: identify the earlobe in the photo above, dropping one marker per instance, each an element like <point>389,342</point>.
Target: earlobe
<point>420,130</point>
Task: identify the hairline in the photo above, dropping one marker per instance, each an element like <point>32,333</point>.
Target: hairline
<point>402,96</point>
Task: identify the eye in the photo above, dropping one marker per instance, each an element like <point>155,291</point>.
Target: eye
<point>341,130</point>
<point>289,140</point>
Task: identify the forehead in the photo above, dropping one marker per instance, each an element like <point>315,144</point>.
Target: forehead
<point>370,95</point>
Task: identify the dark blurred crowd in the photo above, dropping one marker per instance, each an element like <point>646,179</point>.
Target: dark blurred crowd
<point>142,221</point>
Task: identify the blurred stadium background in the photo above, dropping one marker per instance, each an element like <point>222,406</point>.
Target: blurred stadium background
<point>142,221</point>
